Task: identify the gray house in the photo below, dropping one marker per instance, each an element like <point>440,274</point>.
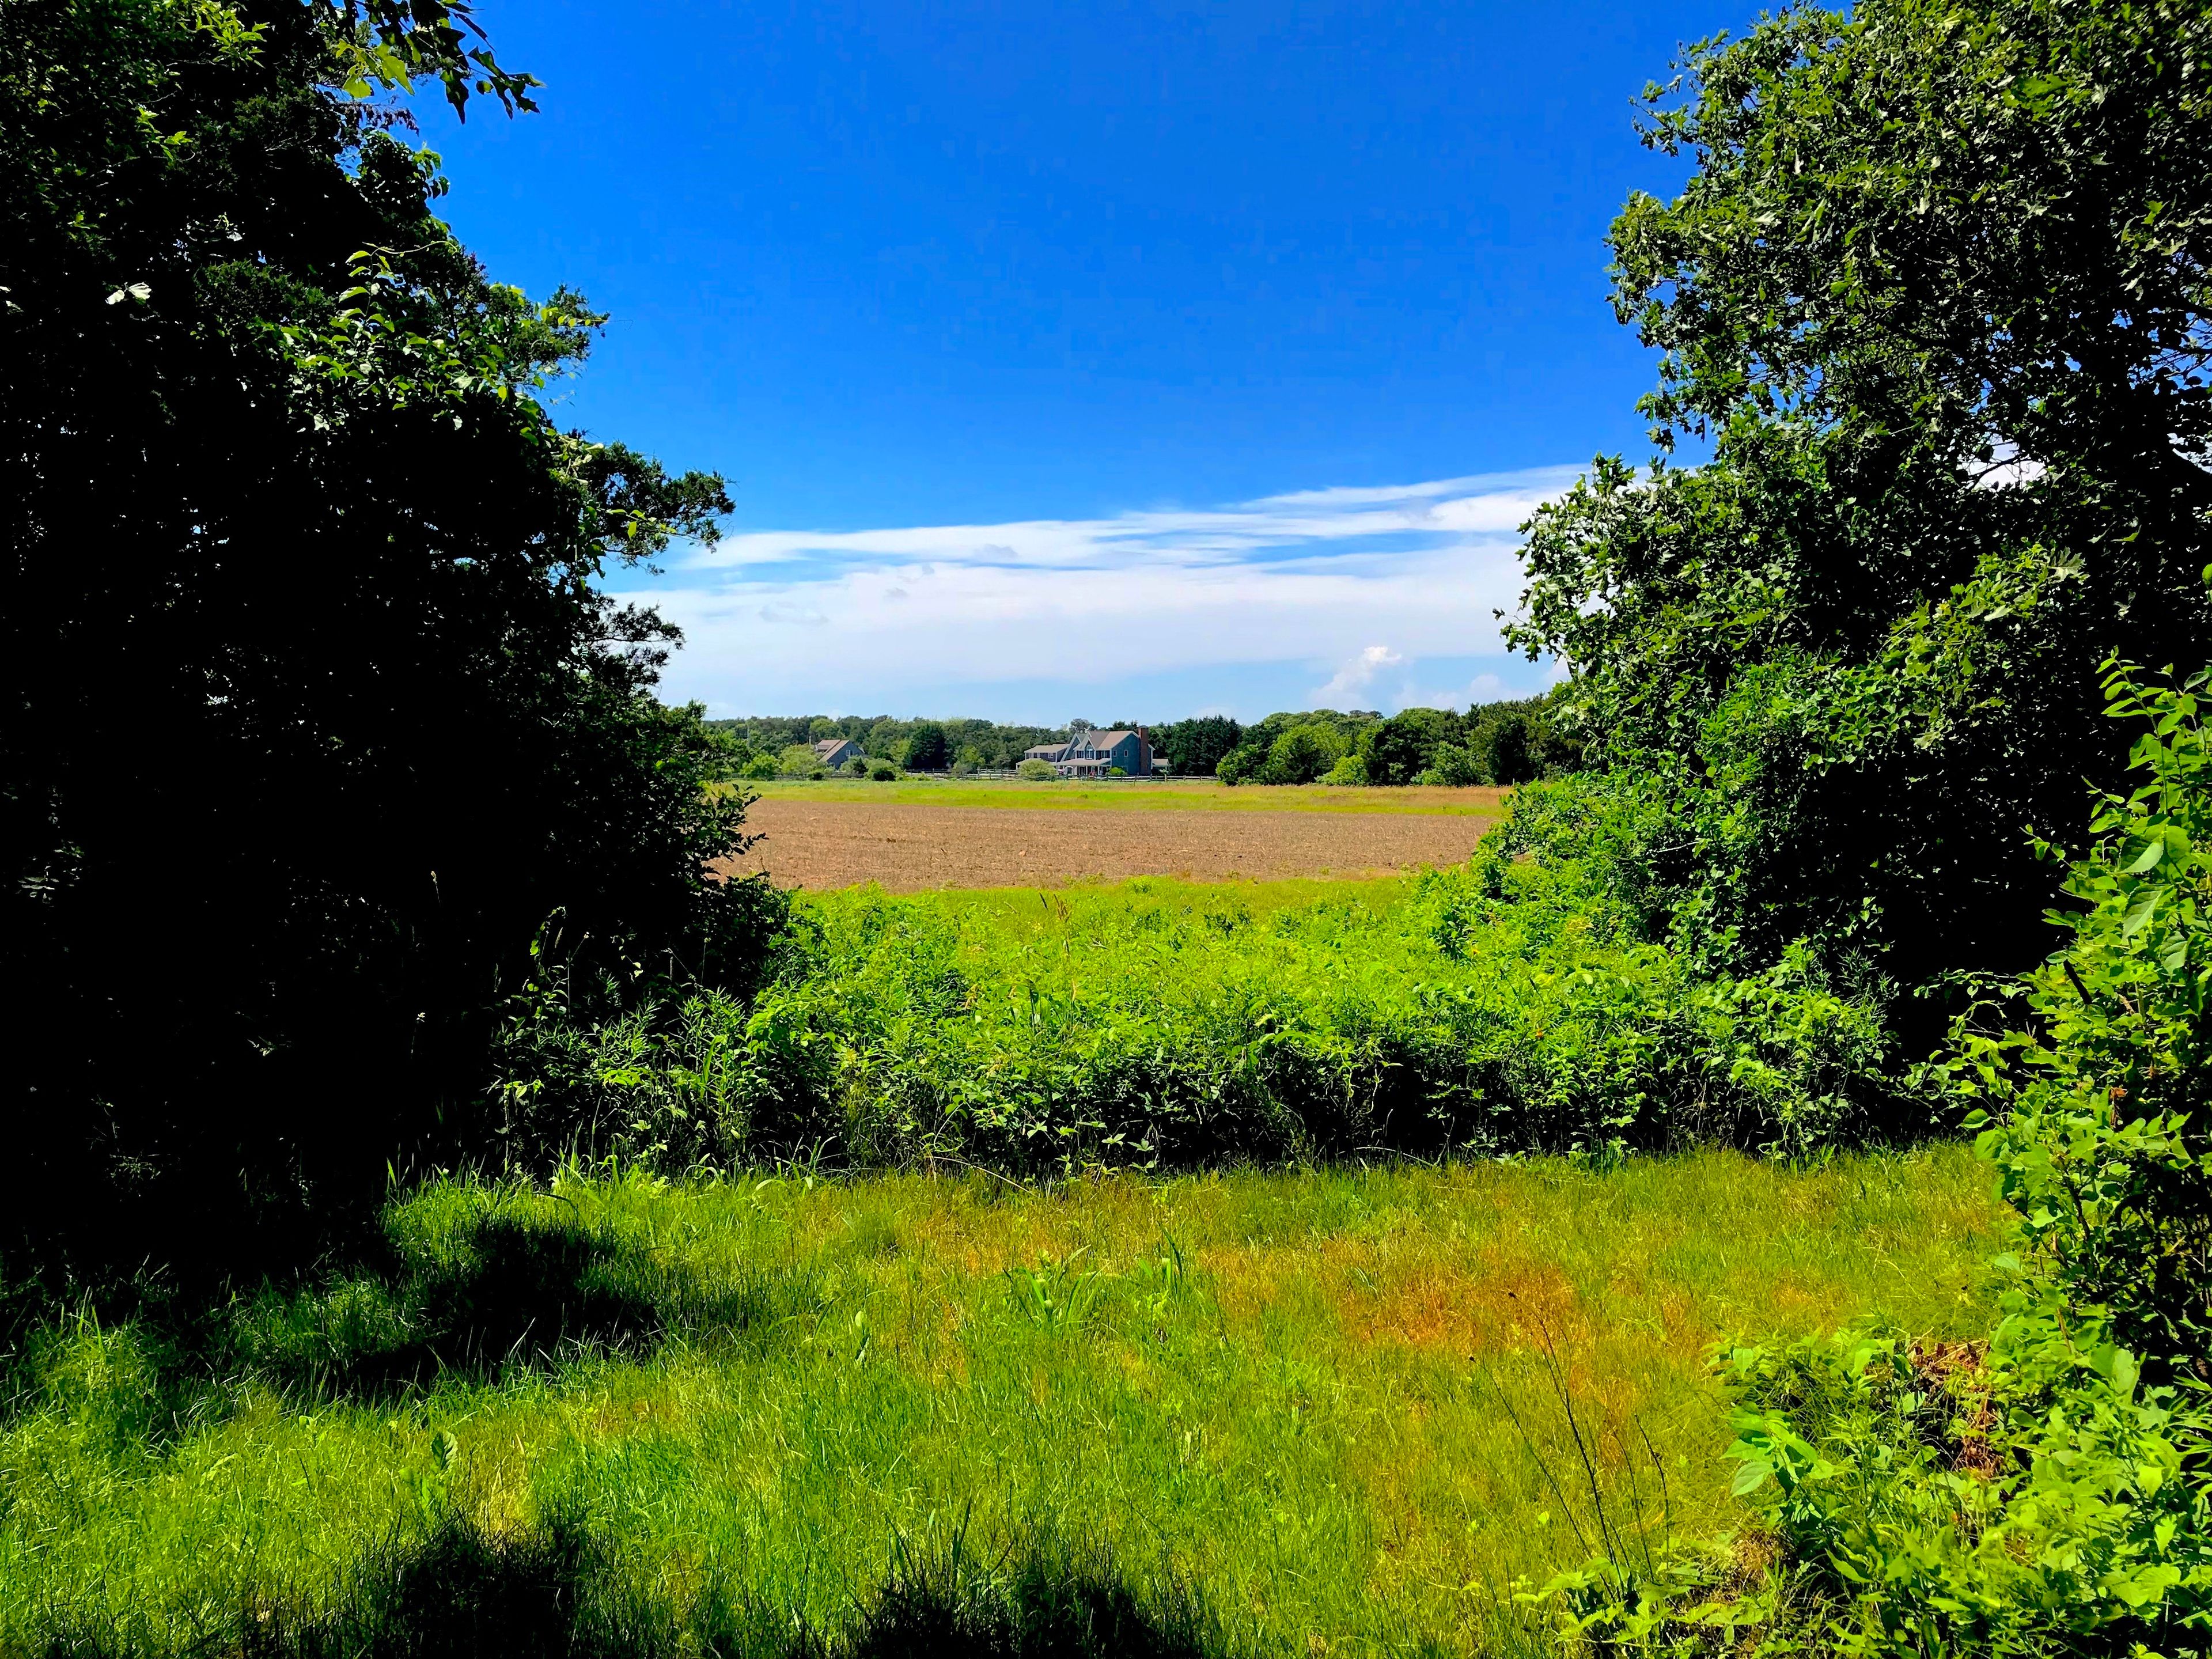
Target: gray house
<point>1098,754</point>
<point>835,751</point>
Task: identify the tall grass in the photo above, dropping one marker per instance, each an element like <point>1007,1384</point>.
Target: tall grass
<point>1217,1413</point>
<point>1503,1006</point>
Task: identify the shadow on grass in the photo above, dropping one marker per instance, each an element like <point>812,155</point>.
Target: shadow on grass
<point>558,1593</point>
<point>500,1291</point>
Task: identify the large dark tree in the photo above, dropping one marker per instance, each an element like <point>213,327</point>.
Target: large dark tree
<point>1937,293</point>
<point>315,716</point>
<point>1194,747</point>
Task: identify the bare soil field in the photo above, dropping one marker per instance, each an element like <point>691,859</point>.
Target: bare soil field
<point>909,847</point>
<point>1135,795</point>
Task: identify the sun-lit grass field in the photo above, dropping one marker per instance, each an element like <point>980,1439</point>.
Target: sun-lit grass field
<point>1306,1412</point>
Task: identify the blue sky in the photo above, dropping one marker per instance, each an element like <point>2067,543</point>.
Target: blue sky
<point>1116,360</point>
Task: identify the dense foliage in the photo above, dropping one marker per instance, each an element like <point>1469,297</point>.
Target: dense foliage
<point>1936,293</point>
<point>2049,1490</point>
<point>919,746</point>
<point>1503,1007</point>
<point>314,714</point>
<point>1496,742</point>
<point>1194,747</point>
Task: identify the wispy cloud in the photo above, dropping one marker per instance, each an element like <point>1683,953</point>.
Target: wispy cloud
<point>1358,675</point>
<point>790,619</point>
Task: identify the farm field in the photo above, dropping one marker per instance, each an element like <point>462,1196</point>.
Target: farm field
<point>1320,1412</point>
<point>1169,794</point>
<point>906,838</point>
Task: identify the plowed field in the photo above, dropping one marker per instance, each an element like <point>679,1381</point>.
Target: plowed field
<point>909,847</point>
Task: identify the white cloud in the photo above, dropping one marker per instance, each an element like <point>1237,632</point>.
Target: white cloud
<point>1359,674</point>
<point>786,619</point>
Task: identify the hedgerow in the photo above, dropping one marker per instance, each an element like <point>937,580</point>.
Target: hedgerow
<point>1507,1006</point>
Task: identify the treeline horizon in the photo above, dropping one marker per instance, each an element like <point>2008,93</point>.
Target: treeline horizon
<point>1414,739</point>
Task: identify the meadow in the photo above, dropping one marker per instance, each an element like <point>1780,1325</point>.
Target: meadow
<point>1318,1411</point>
<point>1159,1268</point>
<point>1496,1007</point>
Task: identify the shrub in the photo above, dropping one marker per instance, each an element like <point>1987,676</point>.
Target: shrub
<point>1036,771</point>
<point>1456,768</point>
<point>2046,1491</point>
<point>882,772</point>
<point>1501,1006</point>
<point>1347,772</point>
<point>799,761</point>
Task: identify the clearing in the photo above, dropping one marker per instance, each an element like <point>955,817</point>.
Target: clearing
<point>910,838</point>
<point>1288,1412</point>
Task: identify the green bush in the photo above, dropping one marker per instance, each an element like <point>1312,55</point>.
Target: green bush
<point>1455,768</point>
<point>2047,1491</point>
<point>1302,754</point>
<point>1852,666</point>
<point>882,772</point>
<point>393,724</point>
<point>1500,1006</point>
<point>1035,771</point>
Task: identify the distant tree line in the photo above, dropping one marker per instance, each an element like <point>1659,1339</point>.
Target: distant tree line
<point>1497,743</point>
<point>918,746</point>
<point>1501,742</point>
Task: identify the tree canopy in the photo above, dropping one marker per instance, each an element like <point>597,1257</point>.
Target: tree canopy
<point>1936,295</point>
<point>315,713</point>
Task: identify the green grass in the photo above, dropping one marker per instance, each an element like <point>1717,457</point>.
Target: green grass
<point>1179,794</point>
<point>1306,1412</point>
<point>1161,1023</point>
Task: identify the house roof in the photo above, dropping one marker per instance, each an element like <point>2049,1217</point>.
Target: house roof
<point>829,745</point>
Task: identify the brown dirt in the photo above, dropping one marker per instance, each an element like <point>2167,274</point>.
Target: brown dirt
<point>909,848</point>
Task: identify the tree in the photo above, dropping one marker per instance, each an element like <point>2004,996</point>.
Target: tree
<point>316,718</point>
<point>1399,749</point>
<point>1194,747</point>
<point>926,748</point>
<point>1340,732</point>
<point>1302,754</point>
<point>1936,293</point>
